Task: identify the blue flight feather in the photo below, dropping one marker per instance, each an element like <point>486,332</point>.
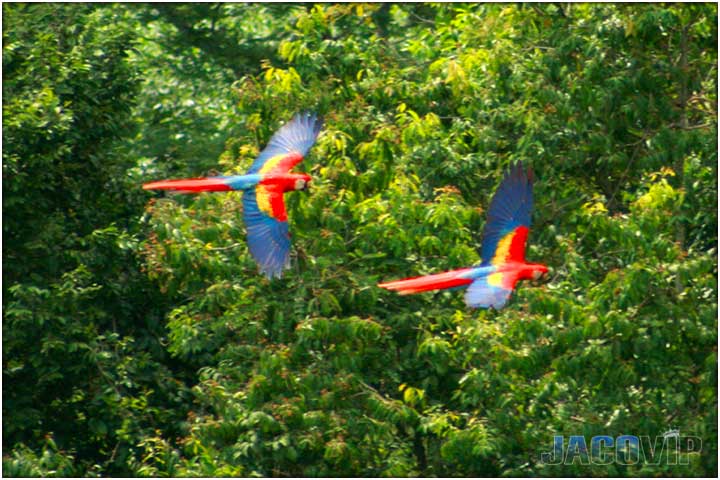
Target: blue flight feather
<point>510,208</point>
<point>298,135</point>
<point>268,239</point>
<point>480,294</point>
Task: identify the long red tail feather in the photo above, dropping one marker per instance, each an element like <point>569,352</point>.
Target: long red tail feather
<point>190,185</point>
<point>430,282</point>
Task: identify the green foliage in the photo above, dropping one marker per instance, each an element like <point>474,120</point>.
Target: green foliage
<point>83,363</point>
<point>178,359</point>
<point>50,463</point>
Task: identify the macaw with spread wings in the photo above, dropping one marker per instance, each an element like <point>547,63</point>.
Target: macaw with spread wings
<point>264,184</point>
<point>502,251</point>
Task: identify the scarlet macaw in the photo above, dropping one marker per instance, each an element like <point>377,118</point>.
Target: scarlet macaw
<point>264,185</point>
<point>502,251</point>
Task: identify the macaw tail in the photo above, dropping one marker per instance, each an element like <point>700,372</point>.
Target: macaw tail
<point>430,282</point>
<point>190,185</point>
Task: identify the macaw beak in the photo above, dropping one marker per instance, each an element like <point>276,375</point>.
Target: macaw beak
<point>539,273</point>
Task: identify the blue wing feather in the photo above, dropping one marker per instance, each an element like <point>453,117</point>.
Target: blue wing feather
<point>510,208</point>
<point>268,238</point>
<point>298,135</point>
<point>480,294</point>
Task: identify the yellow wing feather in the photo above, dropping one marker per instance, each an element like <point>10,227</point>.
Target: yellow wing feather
<point>272,163</point>
<point>503,249</point>
<point>263,199</point>
<point>495,279</point>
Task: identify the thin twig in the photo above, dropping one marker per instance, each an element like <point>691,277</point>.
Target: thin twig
<point>229,247</point>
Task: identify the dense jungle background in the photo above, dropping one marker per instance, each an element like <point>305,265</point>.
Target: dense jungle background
<point>139,339</point>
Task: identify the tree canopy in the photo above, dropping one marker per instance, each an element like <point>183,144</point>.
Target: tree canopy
<point>140,340</point>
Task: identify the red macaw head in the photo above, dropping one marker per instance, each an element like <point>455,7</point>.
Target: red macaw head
<point>302,182</point>
<point>538,271</point>
<point>288,181</point>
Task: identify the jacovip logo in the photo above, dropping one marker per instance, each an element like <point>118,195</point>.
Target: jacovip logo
<point>670,448</point>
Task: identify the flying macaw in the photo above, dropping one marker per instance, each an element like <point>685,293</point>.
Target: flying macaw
<point>263,186</point>
<point>502,251</point>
